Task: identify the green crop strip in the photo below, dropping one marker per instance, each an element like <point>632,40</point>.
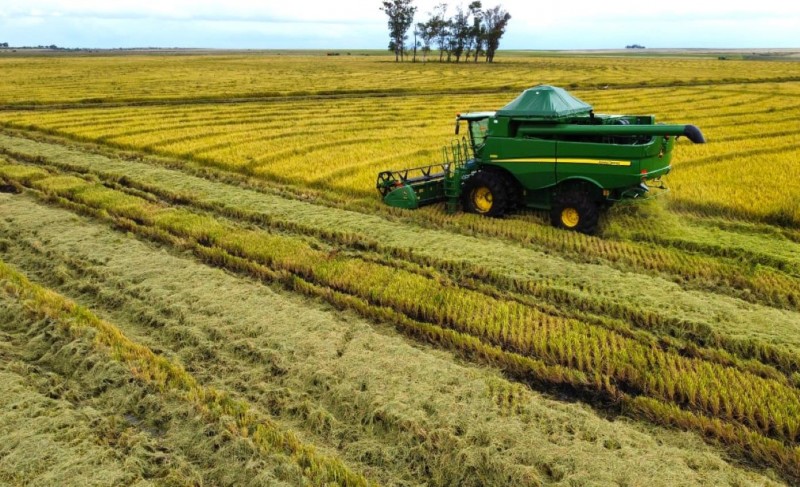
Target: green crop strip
<point>746,411</point>
<point>681,334</point>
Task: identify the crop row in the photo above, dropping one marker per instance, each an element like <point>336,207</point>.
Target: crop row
<point>686,232</point>
<point>751,282</point>
<point>342,112</point>
<point>586,355</point>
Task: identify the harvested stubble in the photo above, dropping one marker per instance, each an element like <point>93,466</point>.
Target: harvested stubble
<point>749,412</point>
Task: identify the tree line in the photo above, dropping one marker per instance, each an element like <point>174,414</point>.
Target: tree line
<point>470,33</point>
<point>4,45</point>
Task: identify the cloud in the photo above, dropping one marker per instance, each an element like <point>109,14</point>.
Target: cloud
<point>360,24</point>
<point>313,11</point>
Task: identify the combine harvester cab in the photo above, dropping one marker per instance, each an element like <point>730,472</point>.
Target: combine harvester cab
<point>546,150</point>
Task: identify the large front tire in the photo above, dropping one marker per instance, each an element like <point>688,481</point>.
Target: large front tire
<point>577,208</point>
<point>486,193</point>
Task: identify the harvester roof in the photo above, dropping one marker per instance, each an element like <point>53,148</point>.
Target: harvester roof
<point>545,102</point>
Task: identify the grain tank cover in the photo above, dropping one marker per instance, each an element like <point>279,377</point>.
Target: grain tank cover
<point>545,102</point>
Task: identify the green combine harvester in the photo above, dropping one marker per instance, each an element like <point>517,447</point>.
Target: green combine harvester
<point>546,150</point>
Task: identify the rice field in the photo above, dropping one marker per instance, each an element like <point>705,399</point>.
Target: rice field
<point>339,145</point>
<point>214,246</point>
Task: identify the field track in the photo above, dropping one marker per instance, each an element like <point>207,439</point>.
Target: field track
<point>309,335</point>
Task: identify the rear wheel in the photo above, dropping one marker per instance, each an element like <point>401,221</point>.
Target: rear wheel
<point>486,193</point>
<point>576,207</point>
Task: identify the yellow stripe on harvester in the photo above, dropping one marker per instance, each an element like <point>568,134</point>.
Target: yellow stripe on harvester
<point>527,159</point>
<point>604,162</point>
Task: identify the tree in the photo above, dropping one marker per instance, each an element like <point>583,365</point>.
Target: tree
<point>477,32</point>
<point>439,28</point>
<point>473,40</point>
<point>401,17</point>
<point>468,34</point>
<point>426,35</point>
<point>416,43</point>
<point>495,21</point>
<point>460,32</point>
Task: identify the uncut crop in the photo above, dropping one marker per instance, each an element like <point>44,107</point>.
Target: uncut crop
<point>137,78</point>
<point>339,146</point>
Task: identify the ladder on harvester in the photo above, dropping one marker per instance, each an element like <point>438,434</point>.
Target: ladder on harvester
<point>455,158</point>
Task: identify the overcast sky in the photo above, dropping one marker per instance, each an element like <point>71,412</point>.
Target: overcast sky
<point>343,24</point>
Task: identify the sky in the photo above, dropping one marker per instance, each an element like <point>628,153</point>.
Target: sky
<point>349,24</point>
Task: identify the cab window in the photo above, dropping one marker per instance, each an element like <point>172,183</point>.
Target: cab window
<point>478,130</point>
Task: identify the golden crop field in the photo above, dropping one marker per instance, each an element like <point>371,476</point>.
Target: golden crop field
<point>195,262</point>
<point>341,143</point>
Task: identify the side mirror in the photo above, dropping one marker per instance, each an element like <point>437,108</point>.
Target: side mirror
<point>457,125</point>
